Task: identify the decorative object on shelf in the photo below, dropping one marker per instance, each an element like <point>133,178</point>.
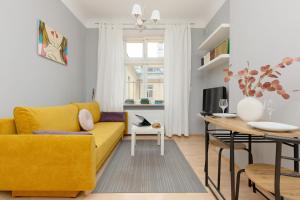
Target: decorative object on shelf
<point>140,21</point>
<point>207,58</point>
<point>145,101</point>
<point>202,61</point>
<point>159,102</point>
<point>129,101</point>
<point>222,48</point>
<point>52,44</point>
<point>253,83</point>
<point>212,54</point>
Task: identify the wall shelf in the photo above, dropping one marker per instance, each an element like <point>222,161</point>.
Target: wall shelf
<point>219,35</point>
<point>221,60</point>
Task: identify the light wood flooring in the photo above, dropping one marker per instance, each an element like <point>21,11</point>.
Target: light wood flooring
<point>193,149</point>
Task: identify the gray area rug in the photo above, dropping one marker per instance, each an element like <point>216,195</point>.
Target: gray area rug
<point>148,171</point>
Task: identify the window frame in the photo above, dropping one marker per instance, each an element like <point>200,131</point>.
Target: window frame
<point>144,61</point>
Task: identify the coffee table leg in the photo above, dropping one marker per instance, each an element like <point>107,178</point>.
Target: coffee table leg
<point>158,138</point>
<point>132,143</point>
<point>162,143</point>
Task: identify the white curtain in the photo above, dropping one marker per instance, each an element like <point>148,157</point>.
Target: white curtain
<point>177,79</point>
<point>111,70</point>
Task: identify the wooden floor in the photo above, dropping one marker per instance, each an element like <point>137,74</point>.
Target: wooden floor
<point>193,149</point>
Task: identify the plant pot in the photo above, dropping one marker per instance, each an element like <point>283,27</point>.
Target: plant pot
<point>250,109</point>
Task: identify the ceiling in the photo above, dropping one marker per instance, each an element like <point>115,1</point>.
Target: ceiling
<point>192,11</point>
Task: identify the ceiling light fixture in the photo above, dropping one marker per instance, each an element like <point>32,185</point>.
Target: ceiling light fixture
<point>138,15</point>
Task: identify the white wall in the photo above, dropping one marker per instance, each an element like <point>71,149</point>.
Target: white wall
<point>263,32</point>
<point>25,77</point>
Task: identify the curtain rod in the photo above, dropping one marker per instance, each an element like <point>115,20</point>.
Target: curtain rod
<point>132,26</point>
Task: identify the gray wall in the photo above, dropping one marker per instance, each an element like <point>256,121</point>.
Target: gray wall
<point>197,85</point>
<point>91,62</point>
<point>205,78</point>
<point>214,77</point>
<point>263,32</point>
<point>25,77</point>
<point>222,16</point>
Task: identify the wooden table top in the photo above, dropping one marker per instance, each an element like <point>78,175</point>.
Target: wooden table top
<point>237,125</point>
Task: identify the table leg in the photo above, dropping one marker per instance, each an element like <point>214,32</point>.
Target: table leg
<point>206,153</point>
<point>232,171</point>
<point>158,138</point>
<point>132,142</point>
<point>250,159</point>
<point>162,143</point>
<point>296,155</point>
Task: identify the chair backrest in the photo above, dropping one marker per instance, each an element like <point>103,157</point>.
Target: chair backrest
<point>279,141</point>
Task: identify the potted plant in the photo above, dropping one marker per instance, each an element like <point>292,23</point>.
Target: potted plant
<point>253,83</point>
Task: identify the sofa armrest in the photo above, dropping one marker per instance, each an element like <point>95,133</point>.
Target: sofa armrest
<point>47,162</point>
<point>126,123</point>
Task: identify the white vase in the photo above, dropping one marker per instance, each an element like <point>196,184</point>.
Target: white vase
<point>250,109</point>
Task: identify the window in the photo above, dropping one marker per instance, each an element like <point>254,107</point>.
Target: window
<point>149,91</point>
<point>144,70</point>
<point>134,50</point>
<point>155,50</point>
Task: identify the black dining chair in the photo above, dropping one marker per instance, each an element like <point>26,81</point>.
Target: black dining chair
<point>225,146</point>
<point>279,181</point>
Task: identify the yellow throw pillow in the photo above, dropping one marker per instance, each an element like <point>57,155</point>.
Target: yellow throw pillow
<point>62,118</point>
<point>93,107</point>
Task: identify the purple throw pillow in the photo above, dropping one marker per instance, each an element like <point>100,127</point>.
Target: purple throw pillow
<point>41,132</point>
<point>112,117</point>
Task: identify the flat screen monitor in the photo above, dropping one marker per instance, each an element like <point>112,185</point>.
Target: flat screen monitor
<point>211,99</point>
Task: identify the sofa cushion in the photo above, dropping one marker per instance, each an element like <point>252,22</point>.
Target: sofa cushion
<point>107,135</point>
<point>105,130</point>
<point>62,118</point>
<point>7,127</point>
<point>93,107</point>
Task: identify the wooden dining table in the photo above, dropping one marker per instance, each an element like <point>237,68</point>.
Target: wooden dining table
<point>239,130</point>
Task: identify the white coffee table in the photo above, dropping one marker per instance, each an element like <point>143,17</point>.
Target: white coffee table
<point>148,130</point>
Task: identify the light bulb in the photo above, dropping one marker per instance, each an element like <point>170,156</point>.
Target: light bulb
<point>136,10</point>
<point>155,16</point>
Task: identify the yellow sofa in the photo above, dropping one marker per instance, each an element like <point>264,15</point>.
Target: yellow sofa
<point>54,165</point>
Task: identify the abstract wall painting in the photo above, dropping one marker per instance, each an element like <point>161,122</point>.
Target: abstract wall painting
<point>52,44</point>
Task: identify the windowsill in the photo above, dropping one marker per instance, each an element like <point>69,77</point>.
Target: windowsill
<point>144,106</point>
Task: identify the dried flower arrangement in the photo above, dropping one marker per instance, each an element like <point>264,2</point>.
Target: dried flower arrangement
<point>255,82</point>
